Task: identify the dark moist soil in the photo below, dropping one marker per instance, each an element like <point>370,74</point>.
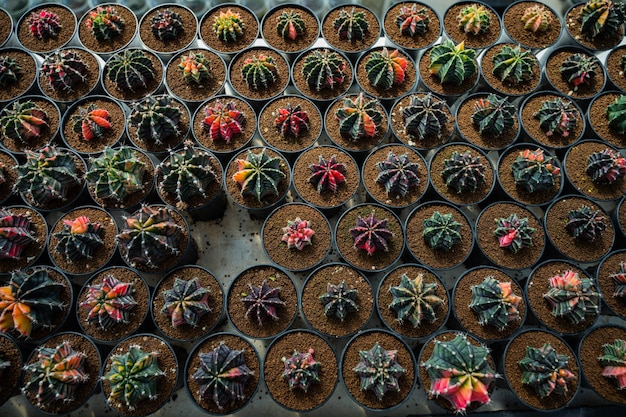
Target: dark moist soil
<point>325,94</point>
<point>537,40</point>
<point>456,33</point>
<point>255,276</point>
<point>532,128</point>
<point>470,132</point>
<point>516,351</point>
<point>599,42</point>
<point>398,126</point>
<point>518,193</point>
<point>11,375</point>
<point>450,194</point>
<point>272,135</point>
<point>30,254</point>
<point>302,42</point>
<point>351,359</point>
<point>396,90</point>
<point>167,362</point>
<point>6,27</point>
<point>190,91</point>
<point>308,191</point>
<point>46,134</point>
<point>358,257</point>
<point>110,136</point>
<point>432,83</point>
<point>101,254</point>
<point>137,314</point>
<point>319,391</point>
<point>111,88</point>
<point>332,36</point>
<point>469,319</point>
<point>206,323</point>
<point>614,67</point>
<point>600,122</point>
<point>252,362</point>
<point>418,41</point>
<point>239,84</point>
<point>378,192</point>
<point>577,249</point>
<point>25,77</point>
<point>67,20</point>
<point>438,258</point>
<point>190,27</point>
<point>504,87</point>
<point>390,317</point>
<point>86,37</point>
<point>294,259</point>
<point>83,88</point>
<point>317,285</point>
<point>560,83</point>
<point>250,30</point>
<point>9,173</point>
<point>610,266</point>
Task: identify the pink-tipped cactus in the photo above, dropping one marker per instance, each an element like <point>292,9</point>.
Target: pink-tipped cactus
<point>573,297</point>
<point>90,122</point>
<point>65,70</point>
<point>298,233</point>
<point>301,370</point>
<point>536,18</point>
<point>292,121</point>
<point>79,238</point>
<point>606,166</point>
<point>614,362</point>
<point>327,175</point>
<point>371,234</point>
<point>223,121</point>
<point>619,279</point>
<point>514,232</point>
<point>495,303</point>
<point>546,371</point>
<point>44,24</point>
<point>15,234</point>
<point>186,302</point>
<point>109,303</point>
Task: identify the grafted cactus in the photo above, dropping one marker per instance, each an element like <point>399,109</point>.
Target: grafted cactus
<point>297,233</point>
<point>109,303</point>
<point>546,370</point>
<point>474,19</point>
<point>15,234</point>
<point>463,172</point>
<point>614,362</point>
<point>351,25</point>
<point>386,69</point>
<point>23,121</point>
<point>379,371</point>
<point>424,116</point>
<point>223,121</point>
<point>579,69</point>
<point>397,173</point>
<point>228,26</point>
<point>291,120</point>
<point>156,119</point>
<point>166,25</point>
<point>44,24</point>
<point>534,171</point>
<point>494,115</point>
<point>606,166</point>
<point>290,25</point>
<point>116,174</point>
<point>186,302</point>
<point>495,303</point>
<point>514,232</point>
<point>105,23</point>
<point>301,370</point>
<point>259,174</point>
<point>601,18</point>
<point>371,234</point>
<point>415,300</point>
<point>78,238</point>
<point>327,175</point>
<point>9,71</point>
<point>557,116</point>
<point>616,114</point>
<point>359,117</point>
<point>412,21</point>
<point>619,279</point>
<point>452,63</point>
<point>513,65</point>
<point>130,70</point>
<point>91,122</point>
<point>339,300</point>
<point>573,297</point>
<point>585,224</point>
<point>536,18</point>
<point>65,70</point>
<point>441,231</point>
<point>324,69</point>
<point>195,68</point>
<point>259,71</point>
<point>263,302</point>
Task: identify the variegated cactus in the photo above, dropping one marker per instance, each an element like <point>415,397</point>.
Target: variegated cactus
<point>536,18</point>
<point>324,69</point>
<point>573,297</point>
<point>291,121</point>
<point>23,121</point>
<point>495,303</point>
<point>116,174</point>
<point>109,303</point>
<point>585,224</point>
<point>606,166</point>
<point>223,121</point>
<point>105,23</point>
<point>415,300</point>
<point>259,175</point>
<point>557,116</point>
<point>339,300</point>
<point>327,175</point>
<point>228,26</point>
<point>371,234</point>
<point>263,302</point>
<point>613,360</point>
<point>493,115</point>
<point>619,279</point>
<point>386,69</point>
<point>546,370</point>
<point>514,65</point>
<point>379,371</point>
<point>91,122</point>
<point>65,70</point>
<point>397,174</point>
<point>452,63</point>
<point>290,25</point>
<point>474,19</point>
<point>579,69</point>
<point>44,24</point>
<point>412,21</point>
<point>534,171</point>
<point>297,233</point>
<point>514,232</point>
<point>601,18</point>
<point>78,238</point>
<point>259,71</point>
<point>351,25</point>
<point>186,302</point>
<point>301,370</point>
<point>195,68</point>
<point>10,70</point>
<point>166,25</point>
<point>15,234</point>
<point>359,117</point>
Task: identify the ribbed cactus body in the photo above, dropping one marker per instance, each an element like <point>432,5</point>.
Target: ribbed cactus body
<point>351,25</point>
<point>327,175</point>
<point>378,371</point>
<point>116,174</point>
<point>9,71</point>
<point>186,302</point>
<point>339,300</point>
<point>44,24</point>
<point>386,69</point>
<point>441,231</point>
<point>425,116</point>
<point>463,172</point>
<point>109,303</point>
<point>616,114</point>
<point>452,63</point>
<point>415,300</point>
<point>495,303</point>
<point>166,25</point>
<point>65,70</point>
<point>534,171</point>
<point>228,26</point>
<point>130,70</point>
<point>513,65</point>
<point>493,115</point>
<point>290,25</point>
<point>259,174</point>
<point>262,302</point>
<point>23,121</point>
<point>223,121</point>
<point>301,370</point>
<point>371,234</point>
<point>15,234</point>
<point>573,297</point>
<point>105,23</point>
<point>397,173</point>
<point>359,117</point>
<point>412,21</point>
<point>557,116</point>
<point>324,69</point>
<point>546,370</point>
<point>536,18</point>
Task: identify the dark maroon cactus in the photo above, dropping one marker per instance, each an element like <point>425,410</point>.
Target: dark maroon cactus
<point>291,121</point>
<point>606,166</point>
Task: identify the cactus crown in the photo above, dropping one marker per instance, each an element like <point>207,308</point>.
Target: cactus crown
<point>116,174</point>
<point>412,21</point>
<point>535,171</point>
<point>23,121</point>
<point>514,232</point>
<point>601,18</point>
<point>91,122</point>
<point>573,297</point>
<point>397,173</point>
<point>259,174</point>
<point>536,18</point>
<point>65,70</point>
<point>195,68</point>
<point>228,26</point>
<point>474,19</point>
<point>557,116</point>
<point>290,25</point>
<point>223,121</point>
<point>545,370</point>
<point>291,120</point>
<point>351,25</point>
<point>109,303</point>
<point>619,279</point>
<point>78,238</point>
<point>156,119</point>
<point>614,361</point>
<point>616,114</point>
<point>56,374</point>
<point>29,302</point>
<point>460,372</point>
<point>379,371</point>
<point>513,65</point>
<point>371,234</point>
<point>415,300</point>
<point>585,224</point>
<point>494,115</point>
<point>105,23</point>
<point>359,117</point>
<point>441,231</point>
<point>495,303</point>
<point>130,70</point>
<point>606,166</point>
<point>339,300</point>
<point>463,172</point>
<point>452,63</point>
<point>579,69</point>
<point>327,175</point>
<point>301,370</point>
<point>44,24</point>
<point>15,234</point>
<point>263,302</point>
<point>297,233</point>
<point>323,69</point>
<point>186,302</point>
<point>9,71</point>
<point>386,69</point>
<point>259,72</point>
<point>424,116</point>
<point>222,375</point>
<point>166,25</point>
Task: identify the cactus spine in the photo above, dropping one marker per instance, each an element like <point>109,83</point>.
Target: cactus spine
<point>339,300</point>
<point>116,174</point>
<point>379,371</point>
<point>290,25</point>
<point>23,121</point>
<point>156,119</point>
<point>546,370</point>
<point>513,66</point>
<point>474,19</point>
<point>65,70</point>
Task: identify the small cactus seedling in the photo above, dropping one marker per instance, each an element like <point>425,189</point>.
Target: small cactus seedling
<point>109,303</point>
<point>91,122</point>
<point>290,25</point>
<point>424,116</point>
<point>133,377</point>
<point>619,279</point>
<point>371,234</point>
<point>56,374</point>
<point>78,238</point>
<point>606,166</point>
<point>166,25</point>
<point>149,237</point>
<point>452,63</point>
<point>339,300</point>
<point>9,71</point>
<point>222,375</point>
<point>359,117</point>
<point>23,121</point>
<point>324,69</point>
<point>297,233</point>
<point>412,21</point>
<point>105,23</point>
<point>379,371</point>
<point>534,171</point>
<point>327,175</point>
<point>44,24</point>
<point>15,234</point>
<point>130,70</point>
<point>415,300</point>
<point>386,69</point>
<point>228,26</point>
<point>195,68</point>
<point>223,121</point>
<point>65,70</point>
<point>557,116</point>
<point>536,18</point>
<point>397,174</point>
<point>259,174</point>
<point>616,114</point>
<point>474,19</point>
<point>493,115</point>
<point>573,297</point>
<point>301,370</point>
<point>351,25</point>
<point>116,174</point>
<point>460,373</point>
<point>463,172</point>
<point>259,72</point>
<point>29,301</point>
<point>441,231</point>
<point>291,121</point>
<point>513,65</point>
<point>546,370</point>
<point>263,302</point>
<point>614,362</point>
<point>601,18</point>
<point>495,303</point>
<point>514,232</point>
<point>186,302</point>
<point>585,224</point>
<point>156,119</point>
<point>579,69</point>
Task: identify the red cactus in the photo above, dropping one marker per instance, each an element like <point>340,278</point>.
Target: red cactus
<point>223,121</point>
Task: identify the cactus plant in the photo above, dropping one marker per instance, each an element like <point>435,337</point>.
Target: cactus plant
<point>359,117</point>
<point>228,26</point>
<point>297,233</point>
<point>412,21</point>
<point>223,121</point>
<point>291,120</point>
<point>386,69</point>
<point>56,374</point>
<point>351,25</point>
<point>441,231</point>
<point>259,174</point>
<point>339,300</point>
<point>327,175</point>
<point>424,116</point>
<point>495,303</point>
<point>573,297</point>
<point>259,71</point>
<point>222,375</point>
<point>290,25</point>
<point>29,301</point>
<point>15,234</point>
<point>415,300</point>
<point>460,373</point>
<point>263,302</point>
<point>579,69</point>
<point>44,24</point>
<point>494,115</point>
<point>166,25</point>
<point>301,370</point>
<point>116,174</point>
<point>534,171</point>
<point>601,18</point>
<point>65,70</point>
<point>513,65</point>
<point>78,238</point>
<point>186,302</point>
<point>397,174</point>
<point>613,360</point>
<point>323,69</point>
<point>546,370</point>
<point>616,114</point>
<point>536,18</point>
<point>514,232</point>
<point>9,71</point>
<point>379,371</point>
<point>109,303</point>
<point>91,122</point>
<point>557,116</point>
<point>23,121</point>
<point>606,166</point>
<point>156,119</point>
<point>474,19</point>
<point>195,68</point>
<point>619,279</point>
<point>105,23</point>
<point>452,63</point>
<point>130,70</point>
<point>371,234</point>
<point>585,224</point>
<point>463,172</point>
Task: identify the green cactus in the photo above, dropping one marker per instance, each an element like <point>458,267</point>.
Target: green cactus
<point>397,173</point>
<point>324,69</point>
<point>15,234</point>
<point>290,25</point>
<point>186,302</point>
<point>359,117</point>
<point>228,26</point>
<point>65,70</point>
<point>513,65</point>
<point>259,174</point>
<point>463,172</point>
<point>534,171</point>
<point>602,18</point>
<point>415,300</point>
<point>545,370</point>
<point>386,69</point>
<point>573,297</point>
<point>579,69</point>
<point>9,71</point>
<point>109,303</point>
<point>105,23</point>
<point>441,231</point>
<point>301,370</point>
<point>452,63</point>
<point>259,71</point>
<point>78,238</point>
<point>412,21</point>
<point>616,114</point>
<point>156,119</point>
<point>116,174</point>
<point>425,116</point>
<point>23,121</point>
<point>613,361</point>
<point>495,303</point>
<point>195,68</point>
<point>557,116</point>
<point>130,70</point>
<point>514,232</point>
<point>379,371</point>
<point>339,300</point>
<point>494,115</point>
<point>536,18</point>
<point>351,25</point>
<point>474,19</point>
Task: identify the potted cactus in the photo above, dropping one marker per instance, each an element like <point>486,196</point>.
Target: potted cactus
<point>194,75</point>
<point>510,69</point>
<point>23,237</point>
<point>611,276</point>
<point>532,24</point>
<point>107,28</point>
<point>474,23</point>
<point>575,72</point>
<point>132,74</point>
<point>29,122</point>
<point>596,24</point>
<point>46,27</point>
<point>411,25</point>
<point>8,176</point>
<point>351,29</point>
<point>11,363</point>
<point>615,68</point>
<point>449,69</point>
<point>18,69</point>
<point>606,117</point>
<point>167,29</point>
<point>228,28</point>
<point>290,29</point>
